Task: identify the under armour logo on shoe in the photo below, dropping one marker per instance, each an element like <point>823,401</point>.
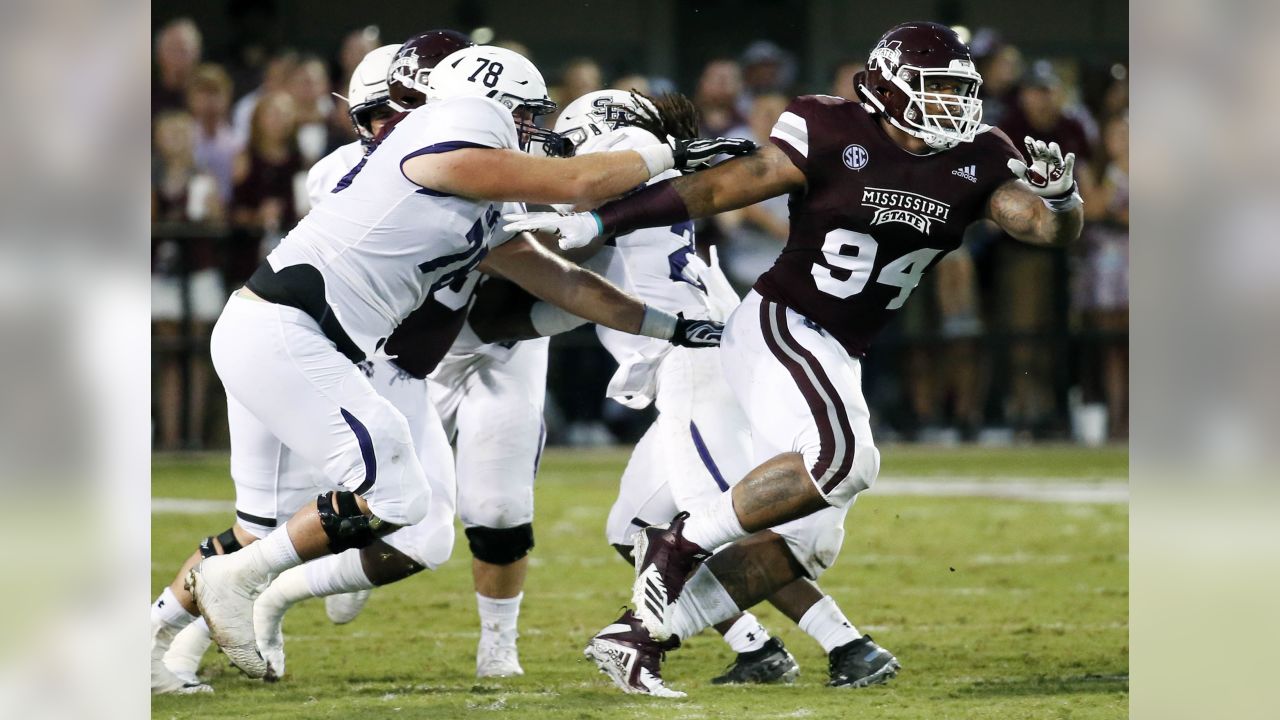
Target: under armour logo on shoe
<point>969,172</point>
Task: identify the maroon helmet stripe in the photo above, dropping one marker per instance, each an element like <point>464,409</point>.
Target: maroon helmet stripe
<point>804,370</point>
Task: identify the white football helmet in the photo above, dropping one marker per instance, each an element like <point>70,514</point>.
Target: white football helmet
<point>368,89</point>
<point>505,77</point>
<point>596,113</point>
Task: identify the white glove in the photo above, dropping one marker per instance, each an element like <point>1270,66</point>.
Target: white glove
<point>1050,175</point>
<point>574,229</point>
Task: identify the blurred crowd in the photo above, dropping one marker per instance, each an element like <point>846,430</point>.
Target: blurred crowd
<point>1002,342</point>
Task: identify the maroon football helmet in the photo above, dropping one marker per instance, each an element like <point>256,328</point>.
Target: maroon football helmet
<point>921,78</point>
<point>407,78</point>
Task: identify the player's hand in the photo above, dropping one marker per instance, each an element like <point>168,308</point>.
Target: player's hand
<point>693,153</point>
<point>697,333</point>
<point>574,229</point>
<point>1049,175</point>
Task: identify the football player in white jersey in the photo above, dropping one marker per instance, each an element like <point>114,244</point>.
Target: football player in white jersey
<point>263,498</point>
<point>415,215</point>
<point>699,446</point>
<point>490,398</point>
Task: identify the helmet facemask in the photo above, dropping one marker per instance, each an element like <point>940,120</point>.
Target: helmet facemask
<point>534,139</point>
<point>943,120</point>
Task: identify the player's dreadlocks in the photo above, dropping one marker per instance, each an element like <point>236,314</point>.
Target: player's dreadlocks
<point>676,116</point>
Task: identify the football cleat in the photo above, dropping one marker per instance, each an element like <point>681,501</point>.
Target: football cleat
<point>770,664</point>
<point>666,560</point>
<point>498,661</point>
<point>344,608</point>
<point>861,663</point>
<point>226,601</point>
<point>632,659</point>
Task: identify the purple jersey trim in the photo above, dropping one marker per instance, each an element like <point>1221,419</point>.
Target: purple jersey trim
<point>441,147</point>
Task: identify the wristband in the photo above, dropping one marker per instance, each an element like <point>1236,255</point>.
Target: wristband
<point>1064,203</point>
<point>657,158</point>
<point>657,323</point>
<point>550,320</point>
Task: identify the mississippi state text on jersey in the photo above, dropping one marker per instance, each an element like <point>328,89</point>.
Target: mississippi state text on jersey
<point>874,217</point>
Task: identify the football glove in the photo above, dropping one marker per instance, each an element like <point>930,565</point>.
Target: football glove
<point>574,229</point>
<point>697,333</point>
<point>1049,175</point>
<point>695,152</point>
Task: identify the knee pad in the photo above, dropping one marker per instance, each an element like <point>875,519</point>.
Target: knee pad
<point>500,546</point>
<point>227,539</point>
<point>347,527</point>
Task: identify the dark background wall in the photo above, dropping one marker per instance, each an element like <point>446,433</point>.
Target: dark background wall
<point>663,37</point>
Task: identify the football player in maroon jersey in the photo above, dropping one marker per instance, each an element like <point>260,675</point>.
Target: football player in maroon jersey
<point>880,190</point>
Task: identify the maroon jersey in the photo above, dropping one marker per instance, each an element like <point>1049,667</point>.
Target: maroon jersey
<point>874,217</point>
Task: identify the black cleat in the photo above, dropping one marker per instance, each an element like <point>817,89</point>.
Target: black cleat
<point>770,664</point>
<point>664,562</point>
<point>861,663</point>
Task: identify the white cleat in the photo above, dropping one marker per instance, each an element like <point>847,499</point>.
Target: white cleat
<point>498,661</point>
<point>268,628</point>
<point>188,649</point>
<point>225,599</point>
<point>628,654</point>
<point>344,608</point>
<point>163,680</point>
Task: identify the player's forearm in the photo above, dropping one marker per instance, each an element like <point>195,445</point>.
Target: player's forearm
<point>591,297</point>
<point>1060,228</point>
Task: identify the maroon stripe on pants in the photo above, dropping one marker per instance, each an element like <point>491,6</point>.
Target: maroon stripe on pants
<point>845,427</point>
<point>817,406</point>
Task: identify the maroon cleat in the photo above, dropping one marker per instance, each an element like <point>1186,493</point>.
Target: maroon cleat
<point>665,560</point>
<point>629,655</point>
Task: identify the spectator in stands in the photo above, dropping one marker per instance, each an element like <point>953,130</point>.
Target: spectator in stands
<point>1031,279</point>
<point>1001,66</point>
<point>180,193</point>
<point>766,70</point>
<point>274,78</point>
<point>355,45</point>
<point>717,96</point>
<point>263,203</point>
<point>634,81</point>
<point>209,100</point>
<point>309,86</point>
<point>842,80</point>
<point>1102,279</point>
<point>581,76</point>
<point>176,55</point>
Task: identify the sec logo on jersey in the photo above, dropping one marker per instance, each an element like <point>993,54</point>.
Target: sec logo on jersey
<point>855,157</point>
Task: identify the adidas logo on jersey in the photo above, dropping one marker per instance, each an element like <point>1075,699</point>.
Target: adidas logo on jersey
<point>969,173</point>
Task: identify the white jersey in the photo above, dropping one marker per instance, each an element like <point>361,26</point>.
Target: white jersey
<point>660,267</point>
<point>323,177</point>
<point>381,242</point>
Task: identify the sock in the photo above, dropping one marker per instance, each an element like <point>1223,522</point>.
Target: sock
<point>167,611</point>
<point>703,603</point>
<point>498,618</point>
<point>825,623</point>
<point>168,617</point>
<point>714,524</point>
<point>333,574</point>
<point>188,648</point>
<point>265,558</point>
<point>747,634</point>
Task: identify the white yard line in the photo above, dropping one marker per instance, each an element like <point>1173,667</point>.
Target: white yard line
<point>1109,491</point>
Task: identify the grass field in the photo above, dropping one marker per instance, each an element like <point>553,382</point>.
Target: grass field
<point>997,608</point>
